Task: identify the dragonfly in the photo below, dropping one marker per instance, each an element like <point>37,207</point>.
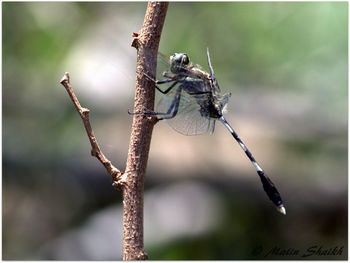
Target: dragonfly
<point>193,103</point>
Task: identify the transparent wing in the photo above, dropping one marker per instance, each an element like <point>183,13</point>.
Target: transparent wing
<point>215,82</point>
<point>191,118</point>
<point>163,65</point>
<point>163,68</point>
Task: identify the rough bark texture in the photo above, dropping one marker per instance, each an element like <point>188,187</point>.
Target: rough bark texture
<point>146,42</point>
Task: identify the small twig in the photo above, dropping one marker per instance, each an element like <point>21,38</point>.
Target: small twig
<point>116,175</point>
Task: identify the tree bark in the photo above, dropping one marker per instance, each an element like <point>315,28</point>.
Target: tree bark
<point>146,42</point>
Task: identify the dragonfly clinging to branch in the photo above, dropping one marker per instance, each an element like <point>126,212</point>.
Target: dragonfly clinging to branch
<point>192,105</point>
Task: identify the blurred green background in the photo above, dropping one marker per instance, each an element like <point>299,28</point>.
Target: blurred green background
<point>286,67</point>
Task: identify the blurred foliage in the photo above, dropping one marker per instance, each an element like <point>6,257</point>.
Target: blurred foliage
<point>286,65</point>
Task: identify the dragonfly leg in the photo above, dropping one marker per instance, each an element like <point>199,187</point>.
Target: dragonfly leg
<point>163,81</point>
<point>173,109</point>
<point>168,89</point>
<point>174,105</point>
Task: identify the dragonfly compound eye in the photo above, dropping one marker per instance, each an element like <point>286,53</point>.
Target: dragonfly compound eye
<point>185,59</point>
<point>175,58</point>
<point>180,58</point>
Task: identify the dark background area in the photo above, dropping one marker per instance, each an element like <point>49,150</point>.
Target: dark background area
<point>286,65</point>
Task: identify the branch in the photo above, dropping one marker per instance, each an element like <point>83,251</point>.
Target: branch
<point>116,175</point>
<point>146,42</point>
<point>132,181</point>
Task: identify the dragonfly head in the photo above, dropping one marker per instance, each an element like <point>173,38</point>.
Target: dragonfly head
<point>178,62</point>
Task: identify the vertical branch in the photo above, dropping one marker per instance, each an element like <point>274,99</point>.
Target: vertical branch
<point>146,43</point>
